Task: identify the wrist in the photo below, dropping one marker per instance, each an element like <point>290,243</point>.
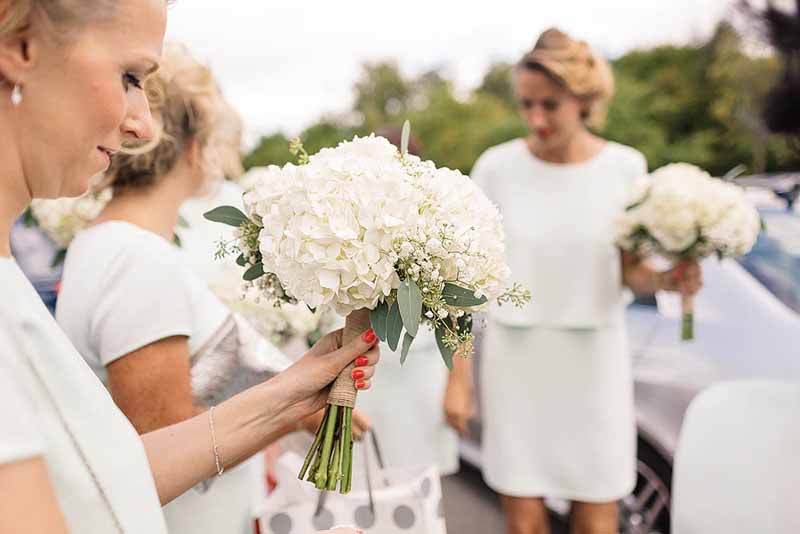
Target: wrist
<point>272,407</point>
<point>657,280</point>
<point>459,381</point>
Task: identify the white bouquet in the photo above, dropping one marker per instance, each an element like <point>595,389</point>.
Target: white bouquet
<point>382,237</point>
<point>681,213</point>
<point>62,218</point>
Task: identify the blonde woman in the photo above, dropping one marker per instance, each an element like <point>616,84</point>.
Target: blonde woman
<point>556,377</point>
<point>151,329</point>
<point>70,77</point>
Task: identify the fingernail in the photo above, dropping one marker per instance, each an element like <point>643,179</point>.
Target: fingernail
<point>357,373</point>
<point>361,361</point>
<point>360,384</point>
<point>368,336</point>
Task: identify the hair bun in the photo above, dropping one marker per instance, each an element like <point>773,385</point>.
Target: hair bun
<point>577,66</point>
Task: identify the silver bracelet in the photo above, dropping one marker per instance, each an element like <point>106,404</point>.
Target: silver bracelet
<point>217,462</point>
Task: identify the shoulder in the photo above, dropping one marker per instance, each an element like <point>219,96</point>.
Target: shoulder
<point>115,247</point>
<point>499,155</point>
<point>112,257</point>
<point>627,159</point>
<point>19,313</point>
<point>120,238</point>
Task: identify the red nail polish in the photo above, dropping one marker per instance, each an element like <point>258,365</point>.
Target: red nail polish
<point>361,361</point>
<point>360,384</point>
<point>368,336</point>
<point>357,373</point>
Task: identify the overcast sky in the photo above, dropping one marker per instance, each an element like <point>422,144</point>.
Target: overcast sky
<point>283,64</point>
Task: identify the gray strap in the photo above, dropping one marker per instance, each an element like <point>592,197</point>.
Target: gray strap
<point>323,495</point>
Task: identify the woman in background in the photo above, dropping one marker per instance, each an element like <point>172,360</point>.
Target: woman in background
<point>152,330</point>
<point>556,378</point>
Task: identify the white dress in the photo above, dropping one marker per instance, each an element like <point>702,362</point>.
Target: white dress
<point>556,378</point>
<point>199,240</point>
<point>123,288</point>
<point>406,407</point>
<point>54,407</point>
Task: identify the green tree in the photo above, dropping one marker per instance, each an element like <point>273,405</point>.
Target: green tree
<point>697,103</point>
<point>498,82</point>
<point>270,150</point>
<point>381,93</point>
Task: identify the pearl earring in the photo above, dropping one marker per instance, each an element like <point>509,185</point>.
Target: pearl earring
<point>16,95</point>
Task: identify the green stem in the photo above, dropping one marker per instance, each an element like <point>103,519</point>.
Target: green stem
<point>315,467</point>
<point>330,429</point>
<point>350,469</point>
<point>333,470</point>
<point>347,454</point>
<point>314,447</point>
<point>687,327</point>
<point>342,453</point>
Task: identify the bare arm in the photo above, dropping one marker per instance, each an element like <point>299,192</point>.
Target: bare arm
<point>151,385</point>
<point>181,455</point>
<point>32,505</point>
<point>459,403</point>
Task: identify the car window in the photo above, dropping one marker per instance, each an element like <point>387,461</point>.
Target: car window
<point>775,259</point>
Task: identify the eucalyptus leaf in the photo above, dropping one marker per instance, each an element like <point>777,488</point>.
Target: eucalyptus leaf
<point>407,340</point>
<point>404,138</point>
<point>226,215</point>
<point>377,318</point>
<point>409,297</point>
<point>444,350</point>
<point>394,326</point>
<point>241,260</point>
<point>254,272</point>
<point>461,297</point>
<point>28,219</point>
<point>59,258</point>
<point>182,222</point>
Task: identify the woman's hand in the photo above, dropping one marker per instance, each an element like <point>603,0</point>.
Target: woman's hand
<point>459,402</point>
<point>685,278</point>
<point>361,424</point>
<point>459,406</point>
<point>244,424</point>
<point>306,382</point>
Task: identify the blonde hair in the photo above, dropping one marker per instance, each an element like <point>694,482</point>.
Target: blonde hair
<point>187,106</point>
<point>62,16</point>
<point>577,67</point>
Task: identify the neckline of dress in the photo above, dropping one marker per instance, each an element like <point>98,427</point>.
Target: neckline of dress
<point>564,166</point>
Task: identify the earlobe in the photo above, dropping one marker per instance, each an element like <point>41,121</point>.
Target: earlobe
<point>193,152</point>
<point>18,53</point>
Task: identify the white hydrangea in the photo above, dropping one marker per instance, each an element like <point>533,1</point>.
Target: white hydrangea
<point>329,226</point>
<point>335,228</point>
<point>471,251</point>
<point>685,212</point>
<point>62,218</point>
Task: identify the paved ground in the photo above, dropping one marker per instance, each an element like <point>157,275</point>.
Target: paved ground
<point>473,508</point>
